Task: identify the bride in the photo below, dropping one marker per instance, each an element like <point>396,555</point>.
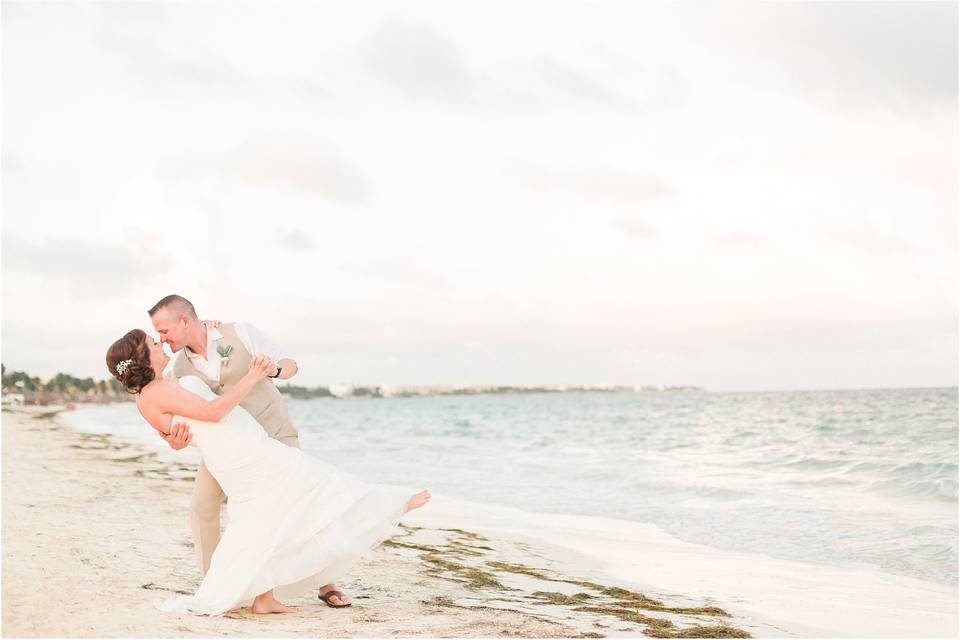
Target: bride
<point>295,521</point>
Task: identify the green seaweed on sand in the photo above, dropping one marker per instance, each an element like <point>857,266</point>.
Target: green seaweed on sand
<point>628,615</point>
<point>137,458</point>
<point>408,545</point>
<point>440,563</point>
<point>95,437</point>
<point>624,597</point>
<point>454,546</point>
<point>625,606</point>
<point>152,473</point>
<point>555,597</point>
<point>98,442</point>
<point>464,549</point>
<point>441,558</point>
<point>582,583</point>
<point>474,577</point>
<point>713,631</point>
<point>694,611</point>
<point>627,598</point>
<point>441,601</point>
<point>619,602</point>
<point>179,473</point>
<point>512,567</point>
<point>96,446</point>
<point>467,534</point>
<point>151,585</point>
<point>662,628</point>
<point>633,596</point>
<point>444,601</point>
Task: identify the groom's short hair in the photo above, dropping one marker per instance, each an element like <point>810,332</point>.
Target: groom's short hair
<point>178,303</point>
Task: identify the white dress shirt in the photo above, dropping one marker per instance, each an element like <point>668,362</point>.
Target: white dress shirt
<point>252,339</point>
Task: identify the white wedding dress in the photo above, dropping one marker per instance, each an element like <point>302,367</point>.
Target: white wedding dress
<point>295,522</point>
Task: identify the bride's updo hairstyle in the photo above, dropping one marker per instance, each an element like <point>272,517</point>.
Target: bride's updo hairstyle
<point>132,356</point>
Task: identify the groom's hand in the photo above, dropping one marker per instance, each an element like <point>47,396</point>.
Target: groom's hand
<point>261,367</point>
<point>179,437</point>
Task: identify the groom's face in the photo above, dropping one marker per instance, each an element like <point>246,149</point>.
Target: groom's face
<point>172,327</point>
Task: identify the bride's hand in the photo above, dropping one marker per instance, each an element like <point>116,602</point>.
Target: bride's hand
<point>261,367</point>
<point>179,436</point>
<point>213,324</point>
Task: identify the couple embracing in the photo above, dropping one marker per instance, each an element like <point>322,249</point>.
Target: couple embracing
<point>296,523</point>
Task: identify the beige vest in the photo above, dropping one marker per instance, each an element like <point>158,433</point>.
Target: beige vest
<point>264,401</point>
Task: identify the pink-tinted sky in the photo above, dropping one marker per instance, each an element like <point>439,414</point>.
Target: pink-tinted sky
<point>739,196</point>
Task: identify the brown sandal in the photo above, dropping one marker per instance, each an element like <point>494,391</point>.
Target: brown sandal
<point>326,595</point>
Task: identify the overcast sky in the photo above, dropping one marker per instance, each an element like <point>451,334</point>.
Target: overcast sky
<point>739,196</point>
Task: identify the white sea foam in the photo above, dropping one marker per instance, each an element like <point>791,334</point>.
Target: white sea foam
<point>783,598</point>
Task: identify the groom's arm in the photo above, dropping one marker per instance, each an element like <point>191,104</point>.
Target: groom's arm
<point>258,344</point>
<point>288,368</point>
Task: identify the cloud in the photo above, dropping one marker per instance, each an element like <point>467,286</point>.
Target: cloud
<point>607,79</point>
<point>573,84</point>
<point>296,240</point>
<point>635,227</point>
<point>847,55</point>
<point>12,164</point>
<point>84,266</point>
<point>425,65</point>
<point>736,240</point>
<point>291,159</point>
<point>630,190</point>
<point>870,240</point>
<point>618,185</point>
<point>418,61</point>
<point>149,41</point>
<point>405,270</point>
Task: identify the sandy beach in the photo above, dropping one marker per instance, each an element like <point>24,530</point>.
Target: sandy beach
<point>95,529</point>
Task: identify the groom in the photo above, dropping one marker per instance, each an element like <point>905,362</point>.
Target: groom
<point>220,356</point>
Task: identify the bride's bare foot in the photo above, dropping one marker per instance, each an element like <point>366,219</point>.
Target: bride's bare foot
<point>417,500</point>
<point>267,603</point>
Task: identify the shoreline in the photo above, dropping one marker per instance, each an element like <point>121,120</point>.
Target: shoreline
<point>96,528</point>
<point>21,398</point>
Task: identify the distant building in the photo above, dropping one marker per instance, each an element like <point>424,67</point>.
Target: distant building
<point>13,399</point>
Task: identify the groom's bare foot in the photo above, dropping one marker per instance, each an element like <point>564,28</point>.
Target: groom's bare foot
<point>417,500</point>
<point>266,603</point>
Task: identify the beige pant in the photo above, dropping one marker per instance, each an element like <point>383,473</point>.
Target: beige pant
<point>205,510</point>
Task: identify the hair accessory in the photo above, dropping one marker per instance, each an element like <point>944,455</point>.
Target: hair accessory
<point>122,366</point>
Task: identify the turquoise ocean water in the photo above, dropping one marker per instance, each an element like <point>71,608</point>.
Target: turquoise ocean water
<point>856,478</point>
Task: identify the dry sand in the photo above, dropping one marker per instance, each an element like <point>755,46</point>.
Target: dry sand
<point>94,529</point>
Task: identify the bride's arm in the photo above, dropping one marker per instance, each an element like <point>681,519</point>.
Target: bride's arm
<point>170,397</point>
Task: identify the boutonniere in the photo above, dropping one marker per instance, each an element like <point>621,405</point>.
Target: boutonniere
<point>225,354</point>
